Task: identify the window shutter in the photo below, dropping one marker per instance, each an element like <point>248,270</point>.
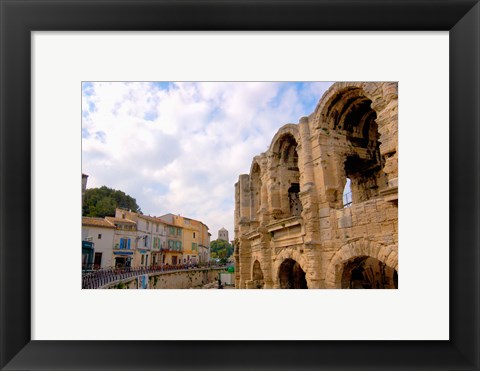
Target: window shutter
<point>128,244</point>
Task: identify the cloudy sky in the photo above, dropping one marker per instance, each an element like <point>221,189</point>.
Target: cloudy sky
<point>179,147</point>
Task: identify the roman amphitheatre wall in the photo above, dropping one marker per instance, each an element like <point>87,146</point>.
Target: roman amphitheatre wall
<point>294,226</point>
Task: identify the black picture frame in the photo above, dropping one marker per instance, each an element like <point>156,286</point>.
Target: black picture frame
<point>18,18</point>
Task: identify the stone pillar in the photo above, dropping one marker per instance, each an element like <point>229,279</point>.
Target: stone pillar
<point>236,256</point>
<point>308,195</point>
<point>244,197</point>
<point>245,260</point>
<point>387,121</point>
<point>305,160</point>
<point>273,194</point>
<point>266,257</point>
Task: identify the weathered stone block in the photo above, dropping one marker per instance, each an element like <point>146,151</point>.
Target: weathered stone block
<point>391,214</point>
<point>363,219</point>
<point>357,208</point>
<point>345,222</point>
<point>370,206</point>
<point>325,223</point>
<point>326,235</point>
<point>373,229</point>
<point>379,216</point>
<point>323,212</point>
<point>359,231</point>
<point>388,227</point>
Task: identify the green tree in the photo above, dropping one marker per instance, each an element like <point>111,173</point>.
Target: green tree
<point>101,202</point>
<point>220,249</point>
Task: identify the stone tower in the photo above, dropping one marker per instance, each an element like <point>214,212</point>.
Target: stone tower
<point>223,234</point>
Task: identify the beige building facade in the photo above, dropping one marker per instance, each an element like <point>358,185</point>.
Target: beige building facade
<point>100,232</point>
<point>194,238</point>
<point>151,237</point>
<point>298,224</point>
<point>124,242</point>
<point>204,244</point>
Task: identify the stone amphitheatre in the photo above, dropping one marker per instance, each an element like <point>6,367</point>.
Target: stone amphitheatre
<point>293,226</point>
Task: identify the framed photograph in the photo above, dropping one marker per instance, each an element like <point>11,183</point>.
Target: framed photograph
<point>429,320</point>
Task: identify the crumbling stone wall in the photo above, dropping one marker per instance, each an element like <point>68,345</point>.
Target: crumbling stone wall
<point>292,228</point>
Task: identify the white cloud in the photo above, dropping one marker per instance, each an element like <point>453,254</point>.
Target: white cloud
<point>181,149</point>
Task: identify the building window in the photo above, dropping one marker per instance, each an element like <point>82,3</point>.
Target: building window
<point>156,227</point>
<point>125,243</point>
<point>148,225</point>
<point>193,234</point>
<point>99,236</point>
<point>179,232</point>
<point>143,258</point>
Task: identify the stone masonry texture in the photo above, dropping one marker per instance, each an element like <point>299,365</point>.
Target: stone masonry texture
<point>294,225</point>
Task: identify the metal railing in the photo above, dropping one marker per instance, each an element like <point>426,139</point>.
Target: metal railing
<point>104,276</point>
<point>347,199</point>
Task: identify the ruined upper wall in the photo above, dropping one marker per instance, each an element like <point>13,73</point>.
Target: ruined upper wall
<point>351,134</point>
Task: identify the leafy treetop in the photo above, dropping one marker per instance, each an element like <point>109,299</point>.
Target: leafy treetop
<point>101,202</point>
<point>220,249</point>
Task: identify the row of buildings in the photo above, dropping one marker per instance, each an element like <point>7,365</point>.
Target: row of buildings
<point>135,240</point>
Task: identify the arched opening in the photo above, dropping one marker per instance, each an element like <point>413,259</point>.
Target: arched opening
<point>255,189</point>
<point>363,163</point>
<point>291,275</point>
<point>365,272</point>
<point>288,175</point>
<point>257,276</point>
<point>350,114</point>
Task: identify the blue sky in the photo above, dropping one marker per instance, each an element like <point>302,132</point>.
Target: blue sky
<point>179,147</point>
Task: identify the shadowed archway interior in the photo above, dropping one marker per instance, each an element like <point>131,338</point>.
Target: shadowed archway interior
<point>365,272</point>
<point>291,275</point>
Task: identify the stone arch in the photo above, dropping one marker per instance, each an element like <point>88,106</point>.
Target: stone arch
<point>255,188</point>
<point>380,94</point>
<point>351,98</point>
<point>348,110</point>
<point>258,281</point>
<point>291,254</point>
<point>291,275</point>
<point>284,164</point>
<point>291,129</point>
<point>365,272</point>
<point>387,254</point>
